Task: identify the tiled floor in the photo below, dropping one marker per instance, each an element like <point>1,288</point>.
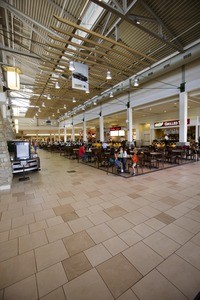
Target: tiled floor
<point>86,235</point>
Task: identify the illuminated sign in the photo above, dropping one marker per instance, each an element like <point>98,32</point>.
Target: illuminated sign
<point>115,128</point>
<point>169,123</point>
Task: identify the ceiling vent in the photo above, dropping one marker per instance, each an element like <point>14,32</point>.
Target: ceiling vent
<point>187,55</point>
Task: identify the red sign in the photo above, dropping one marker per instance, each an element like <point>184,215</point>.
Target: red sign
<point>169,123</point>
<point>115,128</point>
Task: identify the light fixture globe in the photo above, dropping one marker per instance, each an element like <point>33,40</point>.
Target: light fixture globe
<point>71,66</point>
<point>108,75</point>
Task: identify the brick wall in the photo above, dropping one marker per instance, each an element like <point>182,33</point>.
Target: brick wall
<point>5,164</point>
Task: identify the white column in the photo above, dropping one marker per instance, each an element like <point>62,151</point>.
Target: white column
<point>84,131</point>
<point>3,109</point>
<point>129,125</point>
<point>59,134</point>
<point>183,106</point>
<point>65,134</point>
<point>101,126</point>
<point>73,133</point>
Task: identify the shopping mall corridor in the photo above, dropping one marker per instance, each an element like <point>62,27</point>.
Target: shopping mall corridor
<point>73,232</point>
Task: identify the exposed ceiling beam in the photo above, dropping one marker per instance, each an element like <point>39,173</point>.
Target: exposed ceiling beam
<point>113,42</point>
<point>23,16</point>
<point>144,4</point>
<point>19,52</point>
<point>129,19</point>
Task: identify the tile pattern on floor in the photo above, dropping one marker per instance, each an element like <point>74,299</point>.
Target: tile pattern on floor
<point>87,235</point>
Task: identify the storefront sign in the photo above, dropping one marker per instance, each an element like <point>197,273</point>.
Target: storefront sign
<point>115,128</point>
<point>169,123</point>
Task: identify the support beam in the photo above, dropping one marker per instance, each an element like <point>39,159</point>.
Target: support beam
<point>19,52</point>
<point>129,19</point>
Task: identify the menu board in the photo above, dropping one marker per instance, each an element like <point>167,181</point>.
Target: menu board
<point>22,150</point>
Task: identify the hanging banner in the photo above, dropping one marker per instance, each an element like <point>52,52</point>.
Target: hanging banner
<point>80,77</point>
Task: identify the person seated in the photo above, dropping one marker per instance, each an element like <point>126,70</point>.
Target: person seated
<point>118,163</point>
<point>81,153</point>
<point>135,160</point>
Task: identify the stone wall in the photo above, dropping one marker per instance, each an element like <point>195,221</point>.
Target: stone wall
<point>5,164</point>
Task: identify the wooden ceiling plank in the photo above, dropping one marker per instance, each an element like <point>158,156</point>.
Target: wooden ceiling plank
<point>130,56</point>
<point>74,25</point>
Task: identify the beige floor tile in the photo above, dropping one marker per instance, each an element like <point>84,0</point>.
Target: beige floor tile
<point>130,237</point>
<point>99,217</point>
<point>80,224</point>
<point>100,233</point>
<point>12,271</point>
<point>32,209</point>
<point>50,254</point>
<point>165,218</point>
<point>188,224</point>
<point>119,225</point>
<point>5,225</point>
<point>10,214</point>
<point>194,215</point>
<point>143,258</point>
<point>58,294</point>
<point>76,265</point>
<point>143,230</point>
<point>97,254</point>
<point>83,212</point>
<point>149,211</point>
<point>45,214</point>
<point>170,201</point>
<point>155,224</point>
<point>4,236</point>
<point>119,274</point>
<point>88,286</point>
<point>115,245</point>
<point>50,279</point>
<point>23,290</point>
<point>135,217</point>
<point>154,286</point>
<point>32,241</point>
<point>23,220</point>
<point>196,239</point>
<point>191,253</point>
<point>80,205</point>
<point>60,210</point>
<point>95,208</point>
<point>3,206</point>
<point>50,204</point>
<point>38,200</point>
<point>8,249</point>
<point>19,231</point>
<point>54,221</point>
<point>182,274</point>
<point>69,216</point>
<point>17,205</point>
<point>57,232</point>
<point>174,213</point>
<point>161,206</point>
<point>129,205</point>
<point>115,211</point>
<point>177,233</point>
<point>65,194</point>
<point>37,226</point>
<point>160,243</point>
<point>78,242</point>
<point>128,295</point>
<point>93,194</point>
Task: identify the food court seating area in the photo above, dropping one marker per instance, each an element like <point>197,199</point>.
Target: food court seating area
<point>151,158</point>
